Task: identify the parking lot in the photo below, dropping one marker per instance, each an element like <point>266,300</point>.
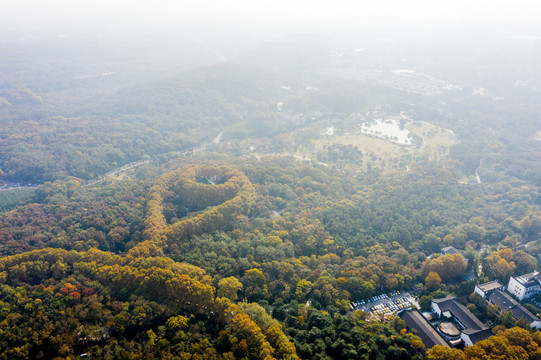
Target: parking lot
<point>386,303</point>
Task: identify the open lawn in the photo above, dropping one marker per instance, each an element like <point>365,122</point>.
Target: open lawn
<point>433,143</point>
<point>432,135</point>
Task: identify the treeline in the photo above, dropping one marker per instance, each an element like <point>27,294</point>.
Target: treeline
<point>57,147</point>
<point>228,200</point>
<point>71,303</point>
<point>514,343</point>
<point>70,216</point>
<point>10,199</point>
<point>47,135</point>
<point>301,241</point>
<point>429,209</point>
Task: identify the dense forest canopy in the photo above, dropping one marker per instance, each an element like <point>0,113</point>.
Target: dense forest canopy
<point>168,203</point>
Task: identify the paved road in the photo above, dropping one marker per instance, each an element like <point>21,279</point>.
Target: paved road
<point>7,186</point>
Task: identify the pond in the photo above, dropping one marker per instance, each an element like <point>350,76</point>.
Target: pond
<point>390,130</point>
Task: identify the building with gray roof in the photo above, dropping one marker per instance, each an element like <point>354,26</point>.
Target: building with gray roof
<point>470,336</point>
<point>486,289</point>
<point>471,328</point>
<point>505,302</point>
<point>464,316</point>
<point>451,250</point>
<point>428,334</point>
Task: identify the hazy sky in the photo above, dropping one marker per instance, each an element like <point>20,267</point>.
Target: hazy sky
<point>272,17</point>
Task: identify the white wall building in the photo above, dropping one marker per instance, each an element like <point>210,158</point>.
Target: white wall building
<point>524,286</point>
<point>483,290</point>
<point>470,337</point>
<point>472,330</point>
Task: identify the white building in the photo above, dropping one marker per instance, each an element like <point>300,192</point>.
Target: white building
<point>472,330</point>
<point>472,336</point>
<point>484,290</point>
<point>524,286</point>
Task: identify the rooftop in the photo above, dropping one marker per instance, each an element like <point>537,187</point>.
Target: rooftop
<point>427,333</point>
<point>490,286</point>
<point>520,312</point>
<point>442,300</point>
<point>478,335</point>
<point>460,312</point>
<point>502,300</point>
<point>506,303</point>
<point>526,278</point>
<point>450,250</point>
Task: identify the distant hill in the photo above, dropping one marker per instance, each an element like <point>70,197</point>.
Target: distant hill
<point>292,53</point>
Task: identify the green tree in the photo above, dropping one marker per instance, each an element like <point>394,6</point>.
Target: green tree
<point>229,287</point>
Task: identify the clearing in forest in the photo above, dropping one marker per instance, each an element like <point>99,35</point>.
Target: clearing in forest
<point>383,150</point>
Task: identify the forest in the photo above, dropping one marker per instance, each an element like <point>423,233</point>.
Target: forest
<point>248,229</point>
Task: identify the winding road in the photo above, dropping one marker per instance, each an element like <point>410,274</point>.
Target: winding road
<point>10,185</point>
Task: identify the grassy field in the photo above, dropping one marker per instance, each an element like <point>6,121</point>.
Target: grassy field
<point>433,136</point>
<point>435,145</point>
<point>381,153</point>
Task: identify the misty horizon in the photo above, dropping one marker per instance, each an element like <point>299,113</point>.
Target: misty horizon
<point>272,19</point>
